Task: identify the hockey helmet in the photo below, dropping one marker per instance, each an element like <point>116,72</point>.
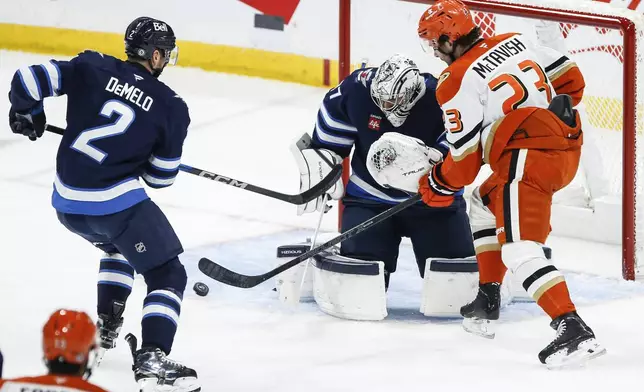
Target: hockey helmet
<point>69,336</point>
<point>145,35</point>
<point>450,19</point>
<point>396,87</point>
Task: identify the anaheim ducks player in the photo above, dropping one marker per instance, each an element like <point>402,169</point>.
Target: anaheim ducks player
<point>495,95</point>
<point>69,341</point>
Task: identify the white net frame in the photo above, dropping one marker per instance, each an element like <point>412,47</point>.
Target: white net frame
<point>620,167</point>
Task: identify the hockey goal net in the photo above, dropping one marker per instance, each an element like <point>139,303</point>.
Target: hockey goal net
<point>601,203</point>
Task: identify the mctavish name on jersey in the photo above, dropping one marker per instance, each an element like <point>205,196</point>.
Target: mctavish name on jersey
<point>227,180</point>
<point>497,56</point>
<point>129,92</point>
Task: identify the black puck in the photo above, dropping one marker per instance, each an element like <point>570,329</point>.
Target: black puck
<point>201,289</point>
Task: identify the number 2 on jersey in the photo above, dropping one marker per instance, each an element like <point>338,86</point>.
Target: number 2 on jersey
<point>125,118</point>
<point>520,94</point>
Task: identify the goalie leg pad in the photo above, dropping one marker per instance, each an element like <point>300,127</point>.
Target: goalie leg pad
<point>291,284</point>
<point>350,288</point>
<point>448,285</point>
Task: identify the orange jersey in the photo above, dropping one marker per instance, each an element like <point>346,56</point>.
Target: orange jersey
<point>499,75</point>
<point>48,383</point>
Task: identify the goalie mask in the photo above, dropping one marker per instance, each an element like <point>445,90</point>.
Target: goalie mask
<point>396,87</point>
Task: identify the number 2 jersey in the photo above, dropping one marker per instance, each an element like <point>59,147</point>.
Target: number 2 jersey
<point>477,91</point>
<point>122,124</point>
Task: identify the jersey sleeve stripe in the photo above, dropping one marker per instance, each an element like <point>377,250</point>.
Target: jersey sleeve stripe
<point>335,124</point>
<point>467,137</point>
<point>466,144</point>
<point>42,74</point>
<point>156,181</point>
<point>60,76</point>
<point>165,164</point>
<point>327,138</point>
<point>53,76</point>
<point>29,83</point>
<point>561,60</point>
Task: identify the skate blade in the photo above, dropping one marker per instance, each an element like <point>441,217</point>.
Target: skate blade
<point>189,384</point>
<point>586,351</point>
<point>480,327</point>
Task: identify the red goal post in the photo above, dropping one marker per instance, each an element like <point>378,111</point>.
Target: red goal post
<point>567,16</point>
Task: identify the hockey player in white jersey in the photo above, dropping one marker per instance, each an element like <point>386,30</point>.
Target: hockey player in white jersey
<point>498,95</point>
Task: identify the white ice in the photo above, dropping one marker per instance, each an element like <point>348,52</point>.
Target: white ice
<point>246,340</point>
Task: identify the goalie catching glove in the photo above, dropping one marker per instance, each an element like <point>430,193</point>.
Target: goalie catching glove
<point>314,165</point>
<point>399,161</point>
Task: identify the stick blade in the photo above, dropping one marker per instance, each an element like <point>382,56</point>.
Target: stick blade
<point>226,276</point>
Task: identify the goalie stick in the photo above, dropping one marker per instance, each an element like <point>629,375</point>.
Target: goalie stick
<point>231,278</point>
<point>301,198</point>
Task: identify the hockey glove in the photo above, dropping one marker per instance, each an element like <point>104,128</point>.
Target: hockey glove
<point>399,161</point>
<point>30,123</point>
<point>314,165</point>
<point>435,194</point>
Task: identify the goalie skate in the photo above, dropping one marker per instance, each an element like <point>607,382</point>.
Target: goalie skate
<point>480,315</point>
<point>574,345</point>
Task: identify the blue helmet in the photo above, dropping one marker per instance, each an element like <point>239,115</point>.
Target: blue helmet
<point>145,35</point>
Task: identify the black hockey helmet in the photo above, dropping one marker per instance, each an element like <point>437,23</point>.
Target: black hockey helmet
<point>145,35</point>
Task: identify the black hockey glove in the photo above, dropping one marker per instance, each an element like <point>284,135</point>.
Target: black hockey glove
<point>30,123</point>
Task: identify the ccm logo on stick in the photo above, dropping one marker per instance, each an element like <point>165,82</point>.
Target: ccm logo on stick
<point>227,180</point>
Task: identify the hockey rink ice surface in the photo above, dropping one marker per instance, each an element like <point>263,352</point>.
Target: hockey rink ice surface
<point>247,340</point>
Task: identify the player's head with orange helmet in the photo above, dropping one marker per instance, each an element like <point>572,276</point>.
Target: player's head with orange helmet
<point>447,29</point>
<point>69,340</point>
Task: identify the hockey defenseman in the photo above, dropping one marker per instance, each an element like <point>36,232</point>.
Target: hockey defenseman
<point>499,99</point>
<point>69,350</point>
<point>369,109</point>
<point>122,124</point>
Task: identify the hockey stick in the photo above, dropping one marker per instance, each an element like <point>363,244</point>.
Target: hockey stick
<point>231,278</point>
<point>314,192</point>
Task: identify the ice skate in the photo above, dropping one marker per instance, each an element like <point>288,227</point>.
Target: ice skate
<point>481,314</point>
<point>109,327</point>
<point>154,372</point>
<point>575,343</point>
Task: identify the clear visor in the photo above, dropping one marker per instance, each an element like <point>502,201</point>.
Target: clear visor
<point>172,56</point>
<point>429,46</point>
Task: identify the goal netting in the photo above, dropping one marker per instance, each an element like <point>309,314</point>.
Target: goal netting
<point>605,40</point>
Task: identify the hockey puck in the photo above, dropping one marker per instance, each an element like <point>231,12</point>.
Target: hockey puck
<point>201,289</point>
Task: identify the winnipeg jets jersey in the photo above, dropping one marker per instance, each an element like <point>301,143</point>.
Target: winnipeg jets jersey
<point>349,118</point>
<point>122,124</point>
<point>497,75</point>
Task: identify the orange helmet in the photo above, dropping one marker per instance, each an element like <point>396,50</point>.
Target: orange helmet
<point>70,336</point>
<point>451,18</point>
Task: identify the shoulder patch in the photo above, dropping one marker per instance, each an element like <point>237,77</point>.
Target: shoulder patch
<point>442,78</point>
<point>364,76</point>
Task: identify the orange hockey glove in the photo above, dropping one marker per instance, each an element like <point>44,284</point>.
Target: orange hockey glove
<point>434,193</point>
